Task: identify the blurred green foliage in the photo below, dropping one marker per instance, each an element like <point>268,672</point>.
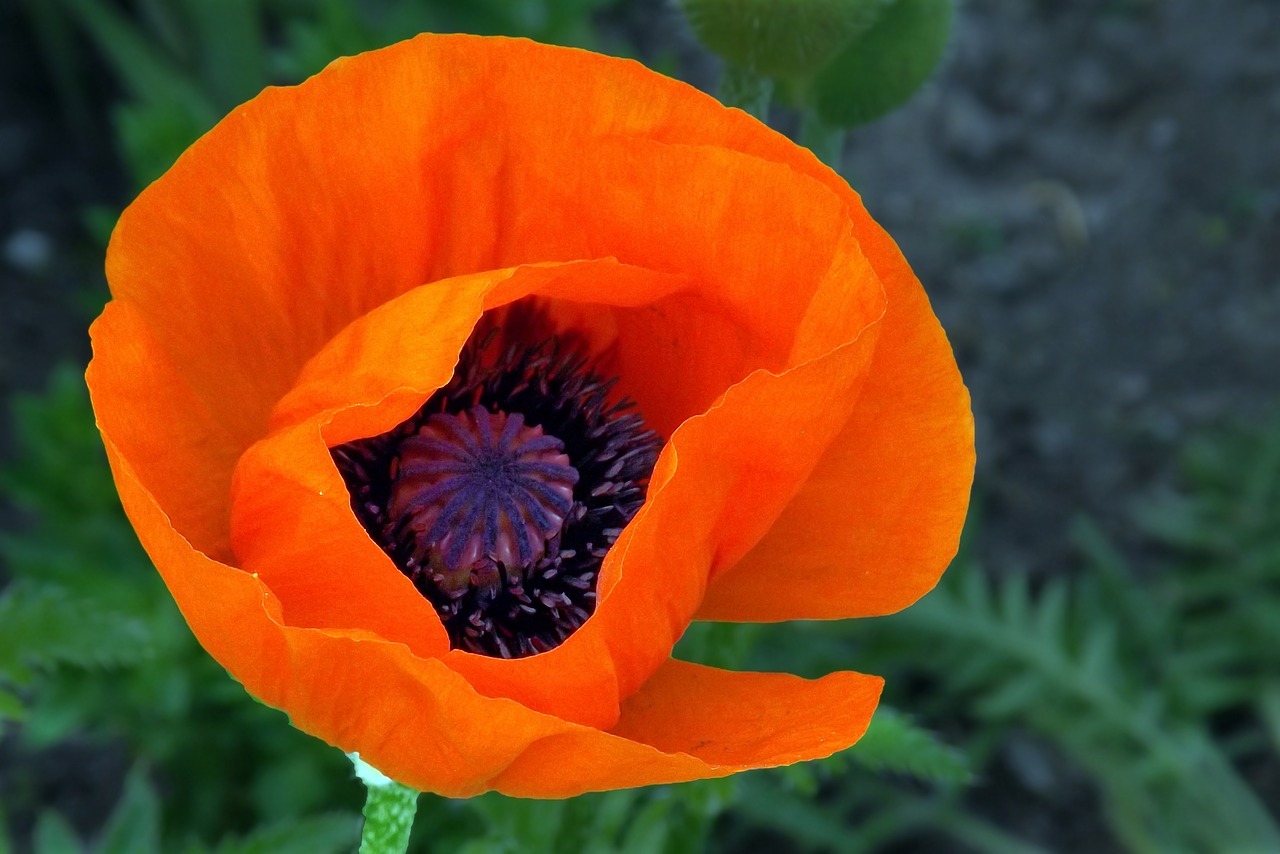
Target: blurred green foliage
<point>843,63</point>
<point>1160,692</point>
<point>1159,686</point>
<point>99,649</point>
<point>183,64</point>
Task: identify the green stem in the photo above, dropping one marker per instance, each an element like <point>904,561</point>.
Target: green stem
<point>388,811</point>
<point>824,140</point>
<point>745,89</point>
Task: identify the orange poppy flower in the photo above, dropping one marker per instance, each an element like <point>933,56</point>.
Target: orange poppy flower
<point>400,546</point>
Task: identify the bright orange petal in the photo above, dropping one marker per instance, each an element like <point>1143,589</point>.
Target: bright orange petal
<point>751,285</point>
<point>292,522</point>
<point>187,464</point>
<point>385,172</point>
<point>760,247</point>
<point>429,729</point>
<point>722,479</point>
<point>880,518</point>
<point>691,722</point>
<point>753,720</point>
<point>410,717</point>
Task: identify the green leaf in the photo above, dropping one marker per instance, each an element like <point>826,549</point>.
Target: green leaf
<point>134,825</point>
<point>6,842</point>
<point>884,65</point>
<point>43,625</point>
<point>780,38</point>
<point>648,830</point>
<point>324,834</point>
<point>11,709</point>
<point>54,34</point>
<point>168,108</point>
<point>146,72</point>
<point>231,48</point>
<point>152,134</point>
<point>894,743</point>
<point>54,836</point>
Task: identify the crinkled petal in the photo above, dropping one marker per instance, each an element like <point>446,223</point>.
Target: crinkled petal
<point>148,407</point>
<point>292,521</point>
<point>879,519</point>
<point>753,323</point>
<point>424,725</point>
<point>690,722</point>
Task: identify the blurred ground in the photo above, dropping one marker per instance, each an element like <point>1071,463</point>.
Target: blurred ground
<point>1089,191</point>
<point>1091,194</point>
<point>49,173</point>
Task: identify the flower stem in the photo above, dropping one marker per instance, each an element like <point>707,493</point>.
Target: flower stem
<point>388,811</point>
<point>824,140</point>
<point>746,90</point>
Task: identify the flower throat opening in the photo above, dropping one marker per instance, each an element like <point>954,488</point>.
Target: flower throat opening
<point>501,495</point>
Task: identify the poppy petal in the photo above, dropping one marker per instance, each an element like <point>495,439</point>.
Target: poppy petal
<point>879,519</point>
<point>327,189</point>
<point>745,311</point>
<point>430,730</point>
<point>730,472</point>
<point>291,518</point>
<point>411,717</point>
<point>188,465</point>
<point>726,717</point>
<point>691,722</point>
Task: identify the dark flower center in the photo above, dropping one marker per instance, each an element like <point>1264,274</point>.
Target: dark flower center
<point>500,497</point>
<point>478,488</point>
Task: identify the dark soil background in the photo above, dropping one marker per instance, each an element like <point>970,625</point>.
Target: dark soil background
<point>53,164</point>
<point>1090,192</point>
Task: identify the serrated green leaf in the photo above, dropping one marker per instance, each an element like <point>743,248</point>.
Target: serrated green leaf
<point>796,818</point>
<point>609,819</point>
<point>884,65</point>
<point>780,38</point>
<point>43,626</point>
<point>1015,601</point>
<point>1051,610</point>
<point>1098,652</point>
<point>1011,698</point>
<point>134,824</point>
<point>894,743</point>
